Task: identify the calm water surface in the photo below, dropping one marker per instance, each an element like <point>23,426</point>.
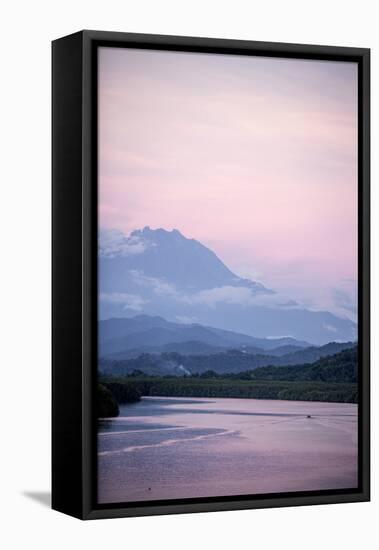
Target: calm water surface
<point>163,448</point>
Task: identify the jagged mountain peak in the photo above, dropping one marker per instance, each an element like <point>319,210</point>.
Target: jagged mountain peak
<point>147,231</point>
<point>170,257</point>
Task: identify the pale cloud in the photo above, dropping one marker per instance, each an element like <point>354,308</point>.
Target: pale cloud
<point>186,320</point>
<point>159,286</point>
<point>223,294</point>
<point>241,295</point>
<point>114,243</point>
<point>280,336</point>
<point>330,328</point>
<point>339,297</point>
<point>249,272</point>
<point>238,295</point>
<point>345,297</point>
<point>129,301</point>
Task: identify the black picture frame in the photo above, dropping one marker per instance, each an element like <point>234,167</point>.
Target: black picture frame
<point>74,272</point>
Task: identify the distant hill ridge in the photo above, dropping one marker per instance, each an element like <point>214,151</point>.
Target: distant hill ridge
<point>225,362</point>
<point>119,336</point>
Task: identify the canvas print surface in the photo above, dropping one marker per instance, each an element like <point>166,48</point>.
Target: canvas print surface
<point>227,263</point>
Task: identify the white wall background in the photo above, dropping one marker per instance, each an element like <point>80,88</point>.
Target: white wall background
<point>26,31</point>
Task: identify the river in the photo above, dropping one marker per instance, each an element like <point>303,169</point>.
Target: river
<point>167,448</point>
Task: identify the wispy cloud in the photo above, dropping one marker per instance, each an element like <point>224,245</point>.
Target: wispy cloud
<point>345,300</point>
<point>128,301</point>
<point>243,296</point>
<point>114,243</point>
<point>330,328</point>
<point>159,286</point>
<point>186,320</point>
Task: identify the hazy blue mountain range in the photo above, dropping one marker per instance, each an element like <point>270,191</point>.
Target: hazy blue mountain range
<point>163,273</point>
<point>230,361</point>
<point>193,347</point>
<point>126,337</point>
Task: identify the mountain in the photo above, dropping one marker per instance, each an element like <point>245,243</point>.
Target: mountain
<point>166,258</point>
<point>163,273</point>
<point>120,338</point>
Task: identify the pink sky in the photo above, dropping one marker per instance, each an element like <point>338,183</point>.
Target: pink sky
<point>254,157</point>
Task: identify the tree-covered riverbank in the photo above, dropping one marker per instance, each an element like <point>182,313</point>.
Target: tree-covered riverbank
<point>219,387</point>
<point>332,378</point>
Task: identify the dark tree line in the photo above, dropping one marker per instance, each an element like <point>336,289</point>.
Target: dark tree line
<point>107,405</point>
